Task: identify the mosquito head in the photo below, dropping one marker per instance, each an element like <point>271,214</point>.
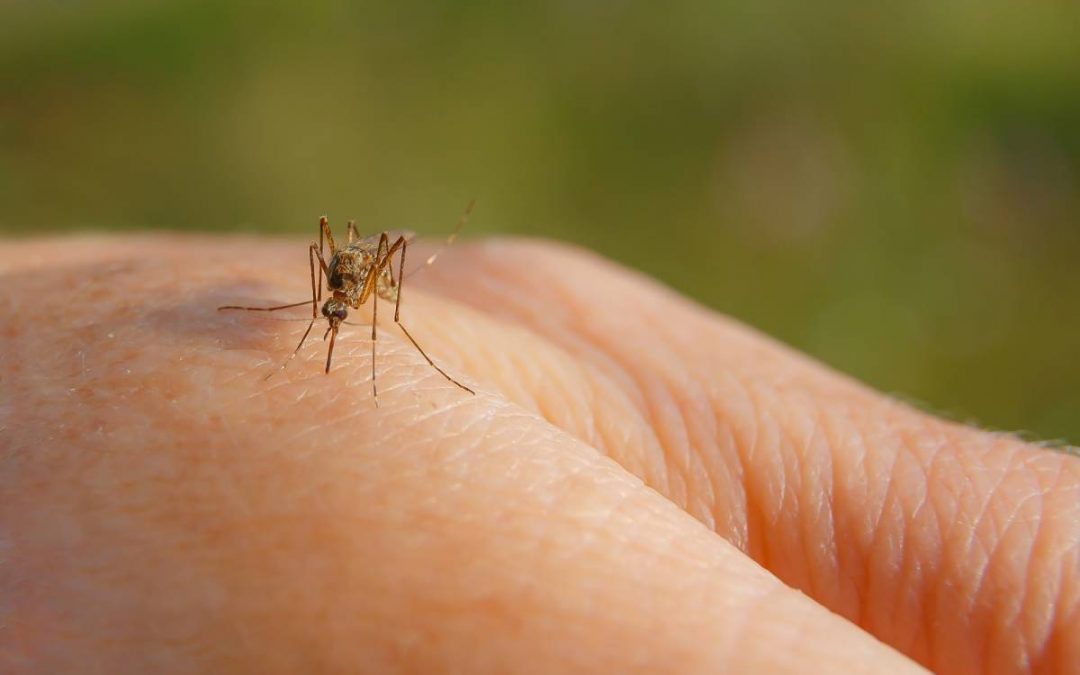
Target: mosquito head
<point>335,311</point>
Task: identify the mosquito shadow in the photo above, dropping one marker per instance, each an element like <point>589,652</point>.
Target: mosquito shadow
<point>199,317</point>
<point>128,292</point>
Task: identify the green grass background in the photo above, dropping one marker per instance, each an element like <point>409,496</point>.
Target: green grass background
<point>893,189</point>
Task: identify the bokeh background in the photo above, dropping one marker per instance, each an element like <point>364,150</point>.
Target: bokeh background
<point>893,189</point>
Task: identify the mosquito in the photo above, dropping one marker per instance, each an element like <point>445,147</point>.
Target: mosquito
<point>360,270</point>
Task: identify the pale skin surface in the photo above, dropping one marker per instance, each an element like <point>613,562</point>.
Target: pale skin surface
<point>630,490</point>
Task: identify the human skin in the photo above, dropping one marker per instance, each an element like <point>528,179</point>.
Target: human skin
<point>638,484</point>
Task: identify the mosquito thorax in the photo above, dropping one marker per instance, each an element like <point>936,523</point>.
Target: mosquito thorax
<point>347,269</point>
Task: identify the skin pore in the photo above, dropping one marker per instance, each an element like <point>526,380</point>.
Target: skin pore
<point>639,484</point>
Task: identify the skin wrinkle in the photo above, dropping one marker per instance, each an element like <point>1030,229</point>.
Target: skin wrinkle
<point>678,454</point>
<point>911,529</point>
<point>662,412</point>
<point>802,522</point>
<point>743,536</point>
<point>703,508</point>
<point>991,539</point>
<point>676,485</point>
<point>1039,636</point>
<point>658,468</point>
<point>744,455</point>
<point>700,443</point>
<point>593,378</point>
<point>1005,551</point>
<point>829,548</point>
<point>621,448</point>
<point>1070,614</point>
<point>941,614</point>
<point>822,479</point>
<point>1072,620</point>
<point>786,519</point>
<point>591,427</point>
<point>908,568</point>
<point>879,510</point>
<point>1006,548</point>
<point>602,435</point>
<point>817,494</point>
<point>553,406</point>
<point>905,554</point>
<point>675,399</point>
<point>926,544</point>
<point>987,646</point>
<point>1030,643</point>
<point>768,489</point>
<point>728,476</point>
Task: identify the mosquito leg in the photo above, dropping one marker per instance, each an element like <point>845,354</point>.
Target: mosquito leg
<point>324,225</point>
<point>277,307</point>
<point>383,255</point>
<point>266,309</point>
<point>322,265</point>
<point>371,282</point>
<point>381,262</point>
<point>428,358</point>
<point>397,317</point>
<point>312,254</point>
<point>314,286</point>
<point>324,232</point>
<point>390,266</point>
<point>371,288</point>
<point>374,338</point>
<point>401,275</point>
<point>384,249</point>
<point>319,291</point>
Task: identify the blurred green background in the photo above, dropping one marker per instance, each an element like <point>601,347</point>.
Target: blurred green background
<point>894,189</point>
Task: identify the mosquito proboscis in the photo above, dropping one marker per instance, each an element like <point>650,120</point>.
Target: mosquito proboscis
<point>359,270</point>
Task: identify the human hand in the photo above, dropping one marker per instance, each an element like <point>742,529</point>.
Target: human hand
<point>166,509</point>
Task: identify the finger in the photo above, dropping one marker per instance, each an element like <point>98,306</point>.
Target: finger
<point>961,548</point>
<point>167,510</point>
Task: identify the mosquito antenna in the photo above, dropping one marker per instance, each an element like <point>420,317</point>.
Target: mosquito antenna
<point>449,240</point>
<point>294,352</point>
<point>454,233</point>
